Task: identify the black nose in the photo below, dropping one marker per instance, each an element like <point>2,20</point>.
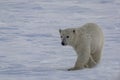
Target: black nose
<point>62,43</point>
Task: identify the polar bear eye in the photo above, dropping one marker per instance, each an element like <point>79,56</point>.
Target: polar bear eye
<point>61,36</point>
<point>67,36</point>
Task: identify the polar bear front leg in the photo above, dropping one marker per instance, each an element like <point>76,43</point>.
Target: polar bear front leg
<point>78,65</point>
<point>82,60</point>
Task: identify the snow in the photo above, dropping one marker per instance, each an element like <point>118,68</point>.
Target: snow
<point>30,46</point>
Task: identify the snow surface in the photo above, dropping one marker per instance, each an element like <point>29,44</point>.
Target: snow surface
<point>30,45</point>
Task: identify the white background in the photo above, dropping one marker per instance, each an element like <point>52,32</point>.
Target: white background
<point>30,46</point>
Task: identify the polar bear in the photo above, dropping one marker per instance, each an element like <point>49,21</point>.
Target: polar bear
<point>87,41</point>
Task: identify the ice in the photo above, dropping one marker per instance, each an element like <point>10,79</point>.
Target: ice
<point>30,46</point>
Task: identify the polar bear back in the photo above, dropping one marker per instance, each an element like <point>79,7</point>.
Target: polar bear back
<point>95,35</point>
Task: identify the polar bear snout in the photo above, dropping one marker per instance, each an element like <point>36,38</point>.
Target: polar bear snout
<point>62,43</point>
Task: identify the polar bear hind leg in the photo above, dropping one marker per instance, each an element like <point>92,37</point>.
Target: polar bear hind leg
<point>91,63</point>
<point>97,56</point>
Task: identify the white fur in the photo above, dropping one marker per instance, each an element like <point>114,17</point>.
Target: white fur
<point>87,41</point>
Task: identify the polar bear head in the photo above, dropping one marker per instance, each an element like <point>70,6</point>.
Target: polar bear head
<point>67,36</point>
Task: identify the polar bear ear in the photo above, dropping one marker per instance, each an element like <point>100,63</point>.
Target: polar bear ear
<point>73,30</point>
<point>60,30</point>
